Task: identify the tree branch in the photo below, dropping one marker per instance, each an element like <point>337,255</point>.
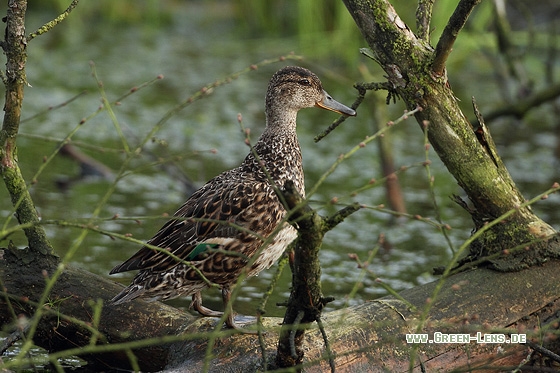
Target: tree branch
<point>49,25</point>
<point>306,299</point>
<point>333,220</point>
<point>519,108</point>
<point>423,19</point>
<point>412,68</point>
<point>305,302</point>
<point>15,48</point>
<point>449,35</point>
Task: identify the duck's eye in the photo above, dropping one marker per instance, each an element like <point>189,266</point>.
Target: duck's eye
<point>305,82</point>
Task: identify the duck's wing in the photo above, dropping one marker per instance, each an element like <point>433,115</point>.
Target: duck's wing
<point>216,215</point>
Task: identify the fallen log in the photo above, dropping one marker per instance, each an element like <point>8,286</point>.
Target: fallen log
<point>372,337</point>
<point>369,337</point>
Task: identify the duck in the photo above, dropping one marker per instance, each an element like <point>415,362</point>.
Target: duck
<point>236,223</point>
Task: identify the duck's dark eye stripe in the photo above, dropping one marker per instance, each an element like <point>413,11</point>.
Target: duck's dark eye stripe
<point>303,81</point>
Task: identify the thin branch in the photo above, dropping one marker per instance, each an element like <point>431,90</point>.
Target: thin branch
<point>328,350</point>
<point>449,35</point>
<point>519,108</point>
<point>361,145</point>
<point>543,351</point>
<point>362,89</point>
<point>338,217</point>
<point>293,344</point>
<point>51,108</point>
<point>423,18</point>
<point>552,51</point>
<point>49,25</point>
<point>514,70</point>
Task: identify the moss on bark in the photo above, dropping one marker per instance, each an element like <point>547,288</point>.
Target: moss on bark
<point>472,160</point>
<point>15,48</point>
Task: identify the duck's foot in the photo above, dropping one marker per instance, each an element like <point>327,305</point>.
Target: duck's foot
<point>245,320</point>
<point>196,305</point>
<point>230,320</point>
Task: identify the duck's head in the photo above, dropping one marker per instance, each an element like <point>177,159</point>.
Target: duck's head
<point>293,88</point>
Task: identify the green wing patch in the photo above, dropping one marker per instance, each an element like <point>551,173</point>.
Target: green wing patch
<point>200,249</point>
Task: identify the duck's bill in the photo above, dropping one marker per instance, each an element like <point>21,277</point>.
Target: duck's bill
<point>330,103</point>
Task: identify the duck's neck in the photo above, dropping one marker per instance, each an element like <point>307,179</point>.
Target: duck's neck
<point>278,151</point>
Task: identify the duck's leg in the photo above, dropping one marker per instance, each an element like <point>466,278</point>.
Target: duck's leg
<point>196,305</point>
<point>226,298</point>
<point>230,320</point>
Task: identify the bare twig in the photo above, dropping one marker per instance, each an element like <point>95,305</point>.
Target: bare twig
<point>543,351</point>
<point>293,344</point>
<point>12,339</point>
<point>51,108</point>
<point>328,350</point>
<point>423,18</point>
<point>449,35</point>
<point>362,89</point>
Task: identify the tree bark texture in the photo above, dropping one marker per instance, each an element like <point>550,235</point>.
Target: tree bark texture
<point>417,74</point>
<point>369,337</point>
<point>306,299</point>
<point>15,48</point>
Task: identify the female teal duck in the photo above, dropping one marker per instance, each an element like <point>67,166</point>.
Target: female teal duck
<point>236,212</point>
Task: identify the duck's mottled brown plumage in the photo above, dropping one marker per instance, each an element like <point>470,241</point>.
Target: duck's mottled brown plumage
<point>237,211</point>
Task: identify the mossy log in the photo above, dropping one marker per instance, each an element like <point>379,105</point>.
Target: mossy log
<point>369,337</point>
